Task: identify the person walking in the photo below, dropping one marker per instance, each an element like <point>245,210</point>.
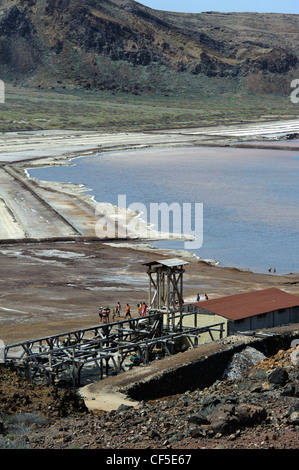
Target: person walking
<point>128,311</point>
<point>144,306</point>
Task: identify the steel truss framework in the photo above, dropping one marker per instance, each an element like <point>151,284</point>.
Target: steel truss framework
<point>107,346</point>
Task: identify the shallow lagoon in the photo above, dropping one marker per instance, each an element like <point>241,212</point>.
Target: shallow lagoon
<point>250,197</point>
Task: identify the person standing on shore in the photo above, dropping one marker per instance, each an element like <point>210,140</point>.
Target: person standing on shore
<point>144,309</point>
<point>106,314</point>
<point>101,314</point>
<point>118,309</point>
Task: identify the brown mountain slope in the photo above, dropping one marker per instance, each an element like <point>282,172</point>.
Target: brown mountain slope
<point>121,44</point>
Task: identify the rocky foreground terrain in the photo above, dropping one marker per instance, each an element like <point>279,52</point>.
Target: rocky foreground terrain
<point>259,409</point>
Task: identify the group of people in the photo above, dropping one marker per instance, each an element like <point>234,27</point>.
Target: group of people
<point>104,312</point>
<point>198,298</point>
<point>142,308</point>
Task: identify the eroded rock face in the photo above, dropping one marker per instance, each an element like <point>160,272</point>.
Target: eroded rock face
<point>277,61</point>
<point>16,22</point>
<point>88,44</point>
<point>19,50</point>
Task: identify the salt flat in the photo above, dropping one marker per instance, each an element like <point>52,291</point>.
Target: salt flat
<point>267,129</point>
<point>27,145</point>
<point>42,211</point>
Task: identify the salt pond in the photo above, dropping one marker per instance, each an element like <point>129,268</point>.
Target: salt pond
<point>250,197</point>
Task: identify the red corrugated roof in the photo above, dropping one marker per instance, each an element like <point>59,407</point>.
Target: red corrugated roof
<point>248,304</point>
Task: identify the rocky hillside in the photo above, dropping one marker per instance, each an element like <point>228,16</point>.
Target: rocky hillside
<point>257,408</point>
<point>123,45</point>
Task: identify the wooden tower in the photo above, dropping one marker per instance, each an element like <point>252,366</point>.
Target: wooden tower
<point>166,285</point>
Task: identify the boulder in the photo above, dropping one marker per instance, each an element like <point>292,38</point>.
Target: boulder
<point>249,415</point>
<point>210,401</point>
<point>198,419</point>
<point>278,376</point>
<point>294,418</point>
<point>223,422</point>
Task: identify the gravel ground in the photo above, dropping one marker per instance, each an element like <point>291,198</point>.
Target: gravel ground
<point>259,410</point>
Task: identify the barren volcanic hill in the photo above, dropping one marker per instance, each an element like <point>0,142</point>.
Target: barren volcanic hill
<point>122,44</point>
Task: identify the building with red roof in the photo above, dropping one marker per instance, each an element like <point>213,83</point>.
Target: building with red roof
<point>255,310</point>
